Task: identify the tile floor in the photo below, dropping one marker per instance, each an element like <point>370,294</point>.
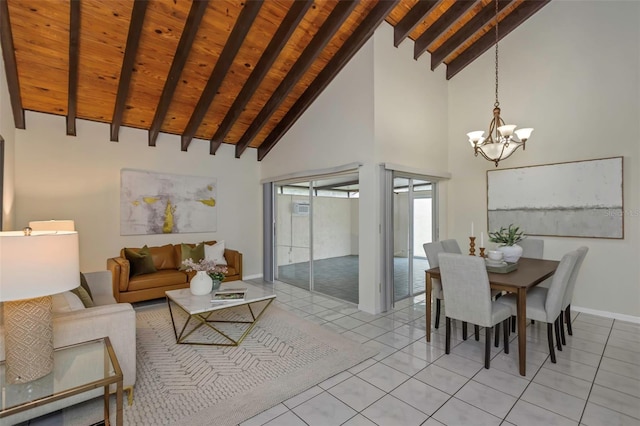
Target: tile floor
<point>596,380</point>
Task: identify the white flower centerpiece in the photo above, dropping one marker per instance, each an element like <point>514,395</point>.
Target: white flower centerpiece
<point>508,239</point>
<point>208,276</point>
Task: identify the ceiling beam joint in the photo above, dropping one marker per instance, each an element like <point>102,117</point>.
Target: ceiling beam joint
<point>74,59</point>
<point>415,16</point>
<point>11,66</point>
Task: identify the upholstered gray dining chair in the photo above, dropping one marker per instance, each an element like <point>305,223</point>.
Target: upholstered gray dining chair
<point>532,248</point>
<point>467,292</point>
<point>545,306</point>
<point>451,246</point>
<point>432,250</point>
<point>565,313</point>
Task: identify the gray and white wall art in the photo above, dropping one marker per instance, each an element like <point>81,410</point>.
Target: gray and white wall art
<point>574,199</point>
<point>162,203</point>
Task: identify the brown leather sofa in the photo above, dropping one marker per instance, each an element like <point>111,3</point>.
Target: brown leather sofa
<point>167,260</point>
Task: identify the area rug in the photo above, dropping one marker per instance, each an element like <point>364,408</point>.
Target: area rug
<point>195,385</point>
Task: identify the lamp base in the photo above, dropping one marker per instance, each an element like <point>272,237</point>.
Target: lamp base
<point>28,326</point>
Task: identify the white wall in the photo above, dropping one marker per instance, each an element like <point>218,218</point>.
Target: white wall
<point>571,72</point>
<point>7,131</point>
<point>66,177</point>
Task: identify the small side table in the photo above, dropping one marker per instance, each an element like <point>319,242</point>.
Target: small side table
<point>77,368</point>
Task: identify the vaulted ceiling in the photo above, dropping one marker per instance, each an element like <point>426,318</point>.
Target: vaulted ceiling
<point>236,72</point>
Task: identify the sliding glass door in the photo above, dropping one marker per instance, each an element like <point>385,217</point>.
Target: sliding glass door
<point>316,238</point>
<point>413,225</point>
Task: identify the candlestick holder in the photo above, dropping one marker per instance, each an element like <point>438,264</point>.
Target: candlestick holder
<point>482,252</point>
<point>472,246</point>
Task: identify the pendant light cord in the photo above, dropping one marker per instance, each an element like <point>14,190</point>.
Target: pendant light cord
<point>497,104</point>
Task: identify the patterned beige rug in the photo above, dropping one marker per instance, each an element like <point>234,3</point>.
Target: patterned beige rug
<point>196,385</point>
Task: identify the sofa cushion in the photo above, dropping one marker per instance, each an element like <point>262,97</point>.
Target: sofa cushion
<point>140,261</point>
<point>164,257</point>
<point>84,296</point>
<point>189,251</point>
<point>66,302</point>
<point>166,277</point>
<point>215,252</point>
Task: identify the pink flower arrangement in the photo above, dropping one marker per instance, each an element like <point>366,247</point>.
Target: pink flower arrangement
<point>216,272</point>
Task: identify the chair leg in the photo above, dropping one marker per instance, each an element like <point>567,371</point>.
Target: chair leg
<point>464,330</point>
<point>437,324</point>
<point>567,314</point>
<point>447,335</point>
<point>550,340</point>
<point>513,323</point>
<point>505,326</point>
<point>487,347</point>
<point>476,331</point>
<point>556,323</point>
<point>562,337</point>
<point>496,338</point>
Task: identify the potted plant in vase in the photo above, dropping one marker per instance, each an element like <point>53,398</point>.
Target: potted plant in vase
<point>217,275</point>
<point>508,239</point>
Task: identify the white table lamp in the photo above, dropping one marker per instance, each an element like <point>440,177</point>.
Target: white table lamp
<point>33,266</point>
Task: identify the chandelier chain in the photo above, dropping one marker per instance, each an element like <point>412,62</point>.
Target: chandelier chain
<point>497,104</point>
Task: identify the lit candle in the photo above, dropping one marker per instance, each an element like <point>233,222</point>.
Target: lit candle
<point>482,239</point>
<point>472,229</point>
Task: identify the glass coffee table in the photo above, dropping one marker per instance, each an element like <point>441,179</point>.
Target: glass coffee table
<point>76,369</point>
<point>202,312</point>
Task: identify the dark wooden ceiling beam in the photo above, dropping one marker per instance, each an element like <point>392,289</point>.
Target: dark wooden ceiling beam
<point>277,43</point>
<point>475,24</point>
<point>350,47</point>
<point>416,15</point>
<point>74,60</point>
<point>130,52</point>
<point>338,15</point>
<point>508,24</point>
<point>198,8</point>
<point>225,60</point>
<point>442,24</point>
<point>11,66</point>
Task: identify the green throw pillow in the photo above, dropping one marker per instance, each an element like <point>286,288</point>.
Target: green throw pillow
<point>194,253</point>
<point>85,284</point>
<point>84,296</point>
<point>140,262</point>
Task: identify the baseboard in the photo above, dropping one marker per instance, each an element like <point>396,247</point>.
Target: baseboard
<point>606,314</point>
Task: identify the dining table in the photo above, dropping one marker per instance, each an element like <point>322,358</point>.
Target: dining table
<point>529,273</point>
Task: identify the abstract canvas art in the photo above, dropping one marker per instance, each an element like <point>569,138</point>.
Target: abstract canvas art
<point>574,199</point>
<point>162,203</point>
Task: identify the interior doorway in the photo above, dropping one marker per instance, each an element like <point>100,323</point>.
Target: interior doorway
<point>316,238</point>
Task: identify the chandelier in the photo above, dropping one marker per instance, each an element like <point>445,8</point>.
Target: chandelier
<point>503,139</point>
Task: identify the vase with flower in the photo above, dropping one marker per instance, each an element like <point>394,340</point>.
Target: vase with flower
<point>203,281</point>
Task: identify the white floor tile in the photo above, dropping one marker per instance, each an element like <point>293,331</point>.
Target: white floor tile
<point>486,398</point>
<point>456,412</point>
<point>420,396</point>
<point>553,400</point>
<point>390,411</point>
<point>324,409</point>
<point>383,377</point>
<point>526,414</point>
<point>442,379</point>
<point>357,393</point>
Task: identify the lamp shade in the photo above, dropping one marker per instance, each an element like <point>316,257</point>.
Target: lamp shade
<point>41,264</point>
<point>52,225</point>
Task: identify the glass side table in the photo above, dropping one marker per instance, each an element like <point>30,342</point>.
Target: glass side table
<point>77,368</point>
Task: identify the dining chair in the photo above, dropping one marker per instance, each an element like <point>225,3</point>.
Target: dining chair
<point>565,313</point>
<point>432,250</point>
<point>532,248</point>
<point>545,306</point>
<point>465,285</point>
<point>451,246</point>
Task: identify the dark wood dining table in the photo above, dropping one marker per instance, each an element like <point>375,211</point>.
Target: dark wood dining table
<point>530,273</point>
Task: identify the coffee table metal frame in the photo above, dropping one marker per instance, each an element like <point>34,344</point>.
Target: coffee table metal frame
<point>204,318</point>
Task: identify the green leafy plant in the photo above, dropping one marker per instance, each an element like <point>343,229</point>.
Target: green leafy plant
<point>507,236</point>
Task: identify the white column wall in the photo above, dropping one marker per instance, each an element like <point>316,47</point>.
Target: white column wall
<point>571,72</point>
<point>66,177</point>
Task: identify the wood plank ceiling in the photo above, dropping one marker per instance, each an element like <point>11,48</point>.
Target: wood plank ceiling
<point>236,72</point>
